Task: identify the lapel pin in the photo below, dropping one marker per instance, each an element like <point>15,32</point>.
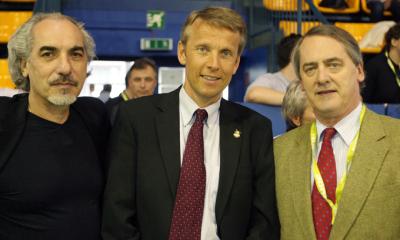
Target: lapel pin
<point>236,133</point>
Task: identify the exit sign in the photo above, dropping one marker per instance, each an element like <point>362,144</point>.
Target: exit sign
<point>156,44</point>
<point>155,19</point>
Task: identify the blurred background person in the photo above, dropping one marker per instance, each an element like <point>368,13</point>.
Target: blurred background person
<point>140,80</point>
<point>270,88</point>
<point>91,90</point>
<point>377,8</point>
<point>105,93</point>
<point>382,82</point>
<point>296,109</point>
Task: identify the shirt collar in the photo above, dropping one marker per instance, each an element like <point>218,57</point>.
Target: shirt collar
<point>346,128</point>
<point>187,108</point>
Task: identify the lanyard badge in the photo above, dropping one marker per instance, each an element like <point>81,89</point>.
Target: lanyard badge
<point>319,182</point>
<point>393,68</point>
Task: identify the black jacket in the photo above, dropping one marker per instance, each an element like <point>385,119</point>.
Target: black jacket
<point>145,167</point>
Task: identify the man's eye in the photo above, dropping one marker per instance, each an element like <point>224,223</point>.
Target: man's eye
<point>309,71</point>
<point>202,49</point>
<point>77,55</point>
<point>334,67</point>
<point>226,53</point>
<point>47,54</point>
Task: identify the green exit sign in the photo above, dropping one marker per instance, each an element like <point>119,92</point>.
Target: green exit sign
<point>156,44</point>
<point>155,19</point>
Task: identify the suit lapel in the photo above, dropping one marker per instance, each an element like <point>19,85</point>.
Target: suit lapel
<point>12,126</point>
<point>167,125</point>
<point>370,152</point>
<point>229,155</point>
<point>300,172</point>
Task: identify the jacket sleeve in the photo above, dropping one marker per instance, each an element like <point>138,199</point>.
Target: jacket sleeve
<point>264,222</point>
<point>119,207</point>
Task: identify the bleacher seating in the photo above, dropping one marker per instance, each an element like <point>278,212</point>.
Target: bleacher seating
<point>358,30</point>
<point>5,78</point>
<point>393,110</point>
<point>289,27</point>
<point>365,8</point>
<point>353,19</point>
<point>354,7</point>
<point>272,112</point>
<point>378,108</point>
<point>279,125</point>
<point>10,21</point>
<point>284,5</point>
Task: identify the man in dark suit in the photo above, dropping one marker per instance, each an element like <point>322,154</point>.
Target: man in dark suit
<point>51,169</point>
<point>140,80</point>
<point>149,163</point>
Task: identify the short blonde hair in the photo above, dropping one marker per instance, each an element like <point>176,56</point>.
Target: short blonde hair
<point>219,17</point>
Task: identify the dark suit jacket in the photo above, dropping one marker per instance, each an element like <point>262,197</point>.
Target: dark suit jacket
<point>145,165</point>
<point>13,112</point>
<point>112,107</point>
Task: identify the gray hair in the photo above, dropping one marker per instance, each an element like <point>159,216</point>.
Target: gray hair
<point>346,39</point>
<point>20,45</point>
<point>294,102</point>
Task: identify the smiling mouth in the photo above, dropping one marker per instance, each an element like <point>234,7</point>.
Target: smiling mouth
<point>210,78</point>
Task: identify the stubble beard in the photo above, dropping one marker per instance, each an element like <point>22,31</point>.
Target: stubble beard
<point>62,99</point>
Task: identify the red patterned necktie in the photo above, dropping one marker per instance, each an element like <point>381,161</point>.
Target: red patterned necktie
<point>322,212</point>
<point>187,216</point>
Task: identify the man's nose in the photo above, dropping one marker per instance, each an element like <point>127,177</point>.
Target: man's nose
<point>323,74</point>
<point>142,83</point>
<point>214,61</point>
<point>64,67</point>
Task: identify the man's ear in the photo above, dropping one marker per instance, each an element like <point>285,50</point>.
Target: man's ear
<point>296,121</point>
<point>360,73</point>
<point>181,53</point>
<point>24,68</point>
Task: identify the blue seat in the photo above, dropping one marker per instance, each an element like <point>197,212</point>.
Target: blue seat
<point>379,108</point>
<point>393,110</point>
<point>271,112</point>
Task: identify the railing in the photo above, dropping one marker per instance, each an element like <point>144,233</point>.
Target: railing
<point>283,17</point>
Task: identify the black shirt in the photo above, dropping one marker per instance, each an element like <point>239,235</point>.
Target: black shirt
<point>380,82</point>
<point>52,185</point>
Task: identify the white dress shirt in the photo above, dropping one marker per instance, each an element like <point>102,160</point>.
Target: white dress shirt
<point>211,133</point>
<point>346,130</point>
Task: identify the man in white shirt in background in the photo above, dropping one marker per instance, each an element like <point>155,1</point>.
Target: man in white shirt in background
<point>270,88</point>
